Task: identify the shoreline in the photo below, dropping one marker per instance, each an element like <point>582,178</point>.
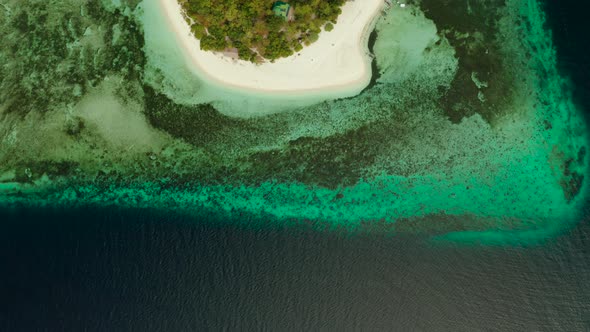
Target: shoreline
<point>339,62</point>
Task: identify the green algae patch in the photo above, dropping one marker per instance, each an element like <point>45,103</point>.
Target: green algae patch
<point>502,163</point>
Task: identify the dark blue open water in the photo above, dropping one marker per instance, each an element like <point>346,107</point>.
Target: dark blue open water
<point>139,270</point>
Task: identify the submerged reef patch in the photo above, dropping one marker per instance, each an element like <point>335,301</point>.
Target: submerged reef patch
<point>468,129</point>
<point>484,81</point>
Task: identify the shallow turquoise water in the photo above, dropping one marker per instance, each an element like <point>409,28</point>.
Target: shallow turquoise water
<point>469,130</point>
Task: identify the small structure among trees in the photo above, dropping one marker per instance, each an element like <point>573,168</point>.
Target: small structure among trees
<point>282,9</point>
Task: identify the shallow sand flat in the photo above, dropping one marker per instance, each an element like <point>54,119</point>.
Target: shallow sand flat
<point>338,61</point>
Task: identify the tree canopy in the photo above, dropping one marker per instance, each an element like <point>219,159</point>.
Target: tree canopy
<point>251,27</point>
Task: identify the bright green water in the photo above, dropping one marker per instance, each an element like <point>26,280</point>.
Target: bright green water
<point>470,130</point>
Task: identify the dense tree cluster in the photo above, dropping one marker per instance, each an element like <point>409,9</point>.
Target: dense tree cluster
<point>251,27</point>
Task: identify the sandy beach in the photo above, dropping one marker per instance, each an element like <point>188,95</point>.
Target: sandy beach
<point>339,60</point>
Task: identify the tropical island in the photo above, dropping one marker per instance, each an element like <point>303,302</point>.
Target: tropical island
<point>254,30</point>
<point>303,49</point>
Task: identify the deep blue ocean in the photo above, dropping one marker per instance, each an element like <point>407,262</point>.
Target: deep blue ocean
<point>144,270</point>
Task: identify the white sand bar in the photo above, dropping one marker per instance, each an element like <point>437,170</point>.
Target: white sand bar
<point>338,61</point>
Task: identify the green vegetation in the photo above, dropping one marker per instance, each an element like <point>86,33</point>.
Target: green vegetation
<point>254,31</point>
